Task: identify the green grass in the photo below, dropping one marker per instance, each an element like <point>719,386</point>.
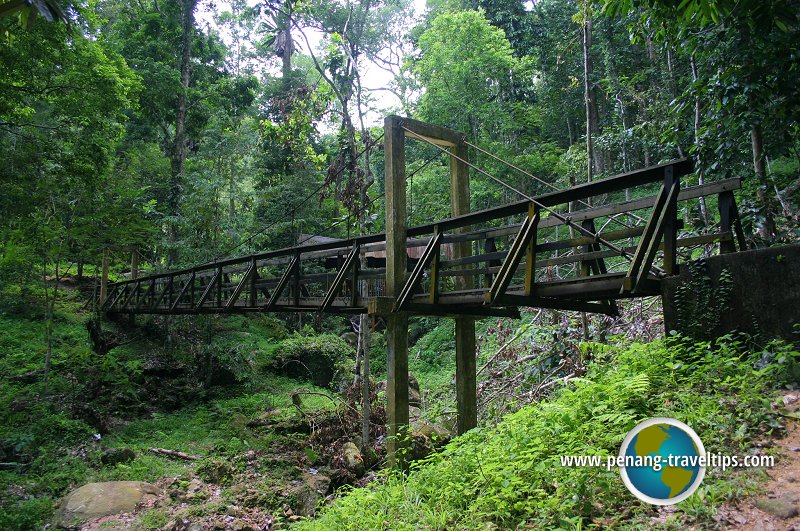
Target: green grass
<point>510,475</point>
<point>41,420</point>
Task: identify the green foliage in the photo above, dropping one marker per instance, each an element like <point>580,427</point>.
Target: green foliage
<point>701,305</point>
<point>454,48</point>
<point>325,359</point>
<point>511,475</point>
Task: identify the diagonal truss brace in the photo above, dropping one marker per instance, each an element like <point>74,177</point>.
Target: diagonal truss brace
<point>216,278</point>
<point>350,262</point>
<point>186,287</point>
<point>291,271</point>
<point>240,287</point>
<point>416,275</point>
<point>524,242</point>
<point>664,210</point>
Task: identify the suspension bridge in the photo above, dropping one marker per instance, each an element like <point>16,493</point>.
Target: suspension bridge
<point>578,249</point>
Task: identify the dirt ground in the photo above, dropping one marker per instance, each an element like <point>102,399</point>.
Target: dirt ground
<point>778,509</point>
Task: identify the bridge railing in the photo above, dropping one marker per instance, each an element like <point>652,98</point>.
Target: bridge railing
<point>601,252</point>
<point>478,262</point>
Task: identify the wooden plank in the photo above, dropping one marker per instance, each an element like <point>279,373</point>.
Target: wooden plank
<point>437,134</point>
<point>557,304</point>
<point>396,323</point>
<point>439,310</point>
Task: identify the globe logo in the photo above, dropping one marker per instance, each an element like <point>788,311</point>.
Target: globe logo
<point>662,461</point>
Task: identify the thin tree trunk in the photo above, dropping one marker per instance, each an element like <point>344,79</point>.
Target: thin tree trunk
<point>104,278</point>
<point>179,147</point>
<point>286,57</point>
<point>767,229</point>
<point>587,94</point>
<point>134,263</point>
<point>50,298</point>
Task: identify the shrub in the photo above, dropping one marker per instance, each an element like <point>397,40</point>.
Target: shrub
<point>322,359</point>
<point>511,475</point>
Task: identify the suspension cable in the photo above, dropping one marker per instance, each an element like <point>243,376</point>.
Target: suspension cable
<point>551,186</point>
<point>564,219</point>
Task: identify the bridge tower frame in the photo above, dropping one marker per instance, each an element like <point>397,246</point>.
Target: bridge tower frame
<point>396,129</point>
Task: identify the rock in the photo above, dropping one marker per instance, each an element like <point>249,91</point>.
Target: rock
<point>308,494</point>
<point>414,396</point>
<point>353,458</point>
<point>94,500</point>
<point>215,471</point>
<point>196,490</point>
<point>780,507</point>
<point>114,456</point>
<point>426,437</point>
<point>428,429</point>
<point>318,482</point>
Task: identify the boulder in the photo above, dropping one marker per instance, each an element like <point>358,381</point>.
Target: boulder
<point>102,499</point>
<point>414,396</point>
<point>426,437</point>
<point>783,507</point>
<point>309,493</point>
<point>115,456</point>
<point>215,471</point>
<point>353,458</point>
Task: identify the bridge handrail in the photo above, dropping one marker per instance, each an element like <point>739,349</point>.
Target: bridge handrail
<point>611,184</point>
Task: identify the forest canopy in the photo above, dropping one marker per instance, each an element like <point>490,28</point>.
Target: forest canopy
<point>182,129</point>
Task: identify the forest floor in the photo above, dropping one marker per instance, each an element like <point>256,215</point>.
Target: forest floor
<point>778,508</point>
<point>260,468</point>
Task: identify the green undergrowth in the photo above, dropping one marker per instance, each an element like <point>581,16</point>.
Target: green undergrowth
<point>50,441</point>
<point>511,475</point>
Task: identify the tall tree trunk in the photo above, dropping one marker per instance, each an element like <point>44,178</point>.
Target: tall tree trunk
<point>286,58</point>
<point>594,159</point>
<point>50,297</point>
<point>699,158</point>
<point>179,147</point>
<point>134,263</point>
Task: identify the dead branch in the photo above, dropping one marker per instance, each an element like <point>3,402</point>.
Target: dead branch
<point>174,454</point>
